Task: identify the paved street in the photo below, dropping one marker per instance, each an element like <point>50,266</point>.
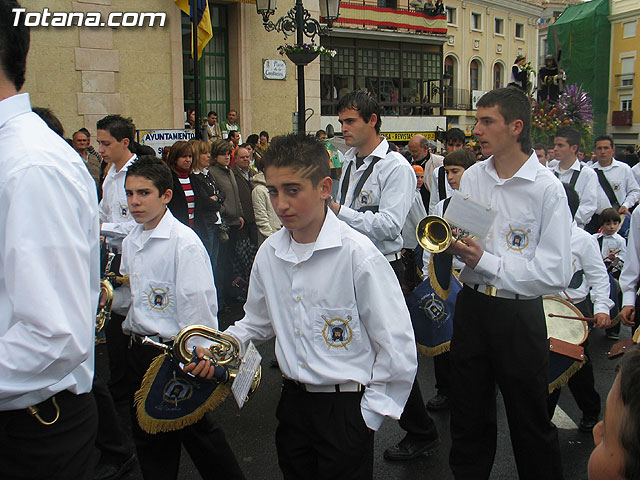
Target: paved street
<point>251,430</point>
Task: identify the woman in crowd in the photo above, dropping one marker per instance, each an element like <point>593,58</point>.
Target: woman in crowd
<point>208,198</point>
<point>231,214</point>
<point>182,204</point>
<point>266,219</point>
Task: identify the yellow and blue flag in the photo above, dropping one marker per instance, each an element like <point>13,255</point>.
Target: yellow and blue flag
<point>205,31</point>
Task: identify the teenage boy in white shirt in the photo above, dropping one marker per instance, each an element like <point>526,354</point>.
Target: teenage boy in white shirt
<point>172,285</point>
<point>500,334</point>
<point>344,340</point>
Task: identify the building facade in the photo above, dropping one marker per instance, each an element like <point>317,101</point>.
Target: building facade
<point>623,122</point>
<point>483,40</point>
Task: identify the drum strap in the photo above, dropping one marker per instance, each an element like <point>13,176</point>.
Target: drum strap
<point>576,280</point>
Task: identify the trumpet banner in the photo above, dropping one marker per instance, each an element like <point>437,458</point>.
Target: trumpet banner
<point>169,399</point>
<point>432,305</point>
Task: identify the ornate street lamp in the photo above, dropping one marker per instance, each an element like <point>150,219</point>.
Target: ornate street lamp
<point>299,20</point>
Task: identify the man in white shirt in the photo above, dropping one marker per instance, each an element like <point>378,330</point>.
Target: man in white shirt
<point>420,155</point>
<point>375,196</point>
<point>49,285</point>
<point>630,275</point>
<point>569,170</point>
<point>500,334</point>
<point>115,143</point>
<point>618,186</point>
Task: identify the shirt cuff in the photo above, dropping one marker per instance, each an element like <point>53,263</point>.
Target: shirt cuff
<point>602,307</point>
<point>488,265</point>
<point>629,299</point>
<point>372,419</point>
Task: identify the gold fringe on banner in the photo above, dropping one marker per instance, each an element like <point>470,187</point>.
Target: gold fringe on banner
<point>434,351</point>
<point>563,379</point>
<point>433,280</point>
<point>153,425</point>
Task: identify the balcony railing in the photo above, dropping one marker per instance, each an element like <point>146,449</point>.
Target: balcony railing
<point>622,118</point>
<point>397,15</point>
<point>457,98</point>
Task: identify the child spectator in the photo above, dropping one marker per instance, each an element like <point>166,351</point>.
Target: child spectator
<point>171,286</point>
<point>612,245</point>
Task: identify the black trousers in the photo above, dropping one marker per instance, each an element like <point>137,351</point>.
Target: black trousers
<point>112,441</point>
<point>159,454</point>
<point>62,451</point>
<point>117,344</point>
<point>322,436</point>
<point>503,342</point>
<point>582,383</point>
<point>442,370</point>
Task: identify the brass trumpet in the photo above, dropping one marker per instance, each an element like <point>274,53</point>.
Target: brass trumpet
<point>224,350</point>
<point>434,234</point>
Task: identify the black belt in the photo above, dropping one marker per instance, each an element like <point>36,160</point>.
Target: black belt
<point>137,339</point>
<point>347,387</point>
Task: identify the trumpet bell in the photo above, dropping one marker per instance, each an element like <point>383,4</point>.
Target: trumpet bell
<point>434,234</point>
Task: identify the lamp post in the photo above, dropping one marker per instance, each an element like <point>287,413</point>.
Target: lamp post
<point>299,20</point>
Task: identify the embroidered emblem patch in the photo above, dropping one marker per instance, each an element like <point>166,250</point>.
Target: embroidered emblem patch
<point>124,211</point>
<point>518,239</point>
<point>177,390</point>
<point>364,198</point>
<point>616,187</point>
<point>433,308</point>
<point>159,298</point>
<point>337,332</point>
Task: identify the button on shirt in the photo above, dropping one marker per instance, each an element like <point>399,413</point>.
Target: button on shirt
<point>631,270</point>
<point>585,253</point>
<point>586,187</point>
<point>528,248</point>
<point>623,183</point>
<point>338,315</point>
<point>49,261</point>
<point>389,188</point>
<point>114,210</point>
<point>171,280</point>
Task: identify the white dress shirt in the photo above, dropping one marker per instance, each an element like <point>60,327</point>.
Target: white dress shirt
<point>434,161</point>
<point>585,253</point>
<point>416,213</point>
<point>389,187</point>
<point>622,182</point>
<point>528,247</point>
<point>435,191</point>
<point>116,220</point>
<point>49,261</point>
<point>342,282</point>
<point>171,280</point>
<point>586,187</point>
<point>631,270</point>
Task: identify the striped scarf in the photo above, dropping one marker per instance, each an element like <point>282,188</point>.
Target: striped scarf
<point>183,176</point>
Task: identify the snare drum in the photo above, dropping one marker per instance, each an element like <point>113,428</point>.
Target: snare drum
<point>572,331</point>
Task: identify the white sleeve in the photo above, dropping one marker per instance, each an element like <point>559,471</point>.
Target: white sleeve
<point>596,276</point>
<point>379,298</point>
<point>633,190</point>
<point>588,199</point>
<point>631,268</point>
<point>51,279</point>
<point>196,299</point>
<point>396,196</point>
<point>435,194</point>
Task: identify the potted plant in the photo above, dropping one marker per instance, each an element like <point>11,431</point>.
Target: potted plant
<point>305,53</point>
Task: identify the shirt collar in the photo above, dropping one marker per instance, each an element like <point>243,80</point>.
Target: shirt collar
<point>163,229</point>
<point>329,237</point>
<point>527,171</point>
<point>13,106</point>
<point>380,151</point>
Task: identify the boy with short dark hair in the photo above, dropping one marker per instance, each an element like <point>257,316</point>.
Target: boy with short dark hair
<point>613,247</point>
<point>617,438</point>
<point>526,254</point>
<point>344,340</point>
<point>172,286</point>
